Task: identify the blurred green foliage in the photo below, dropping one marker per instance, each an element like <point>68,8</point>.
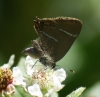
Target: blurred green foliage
<point>16,32</point>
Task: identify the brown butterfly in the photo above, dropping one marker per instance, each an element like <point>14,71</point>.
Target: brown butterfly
<point>56,36</point>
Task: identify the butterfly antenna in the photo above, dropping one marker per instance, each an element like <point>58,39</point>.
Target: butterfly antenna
<point>68,69</point>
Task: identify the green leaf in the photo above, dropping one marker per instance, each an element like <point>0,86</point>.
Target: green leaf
<point>77,92</point>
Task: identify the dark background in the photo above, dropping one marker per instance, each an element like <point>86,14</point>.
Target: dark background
<point>16,32</point>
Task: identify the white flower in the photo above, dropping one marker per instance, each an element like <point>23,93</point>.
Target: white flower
<point>44,81</point>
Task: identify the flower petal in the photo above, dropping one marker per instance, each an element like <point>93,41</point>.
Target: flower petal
<point>61,74</point>
<point>10,63</point>
<point>10,89</point>
<point>18,78</point>
<point>57,85</point>
<point>35,90</point>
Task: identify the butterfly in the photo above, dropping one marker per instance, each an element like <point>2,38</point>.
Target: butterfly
<point>56,36</point>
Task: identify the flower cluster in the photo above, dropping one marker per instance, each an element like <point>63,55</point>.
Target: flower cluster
<point>38,81</point>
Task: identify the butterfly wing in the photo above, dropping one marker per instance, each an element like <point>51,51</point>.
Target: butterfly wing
<point>57,35</point>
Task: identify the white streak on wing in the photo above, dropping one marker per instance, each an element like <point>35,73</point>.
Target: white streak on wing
<point>73,35</point>
<point>50,36</point>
